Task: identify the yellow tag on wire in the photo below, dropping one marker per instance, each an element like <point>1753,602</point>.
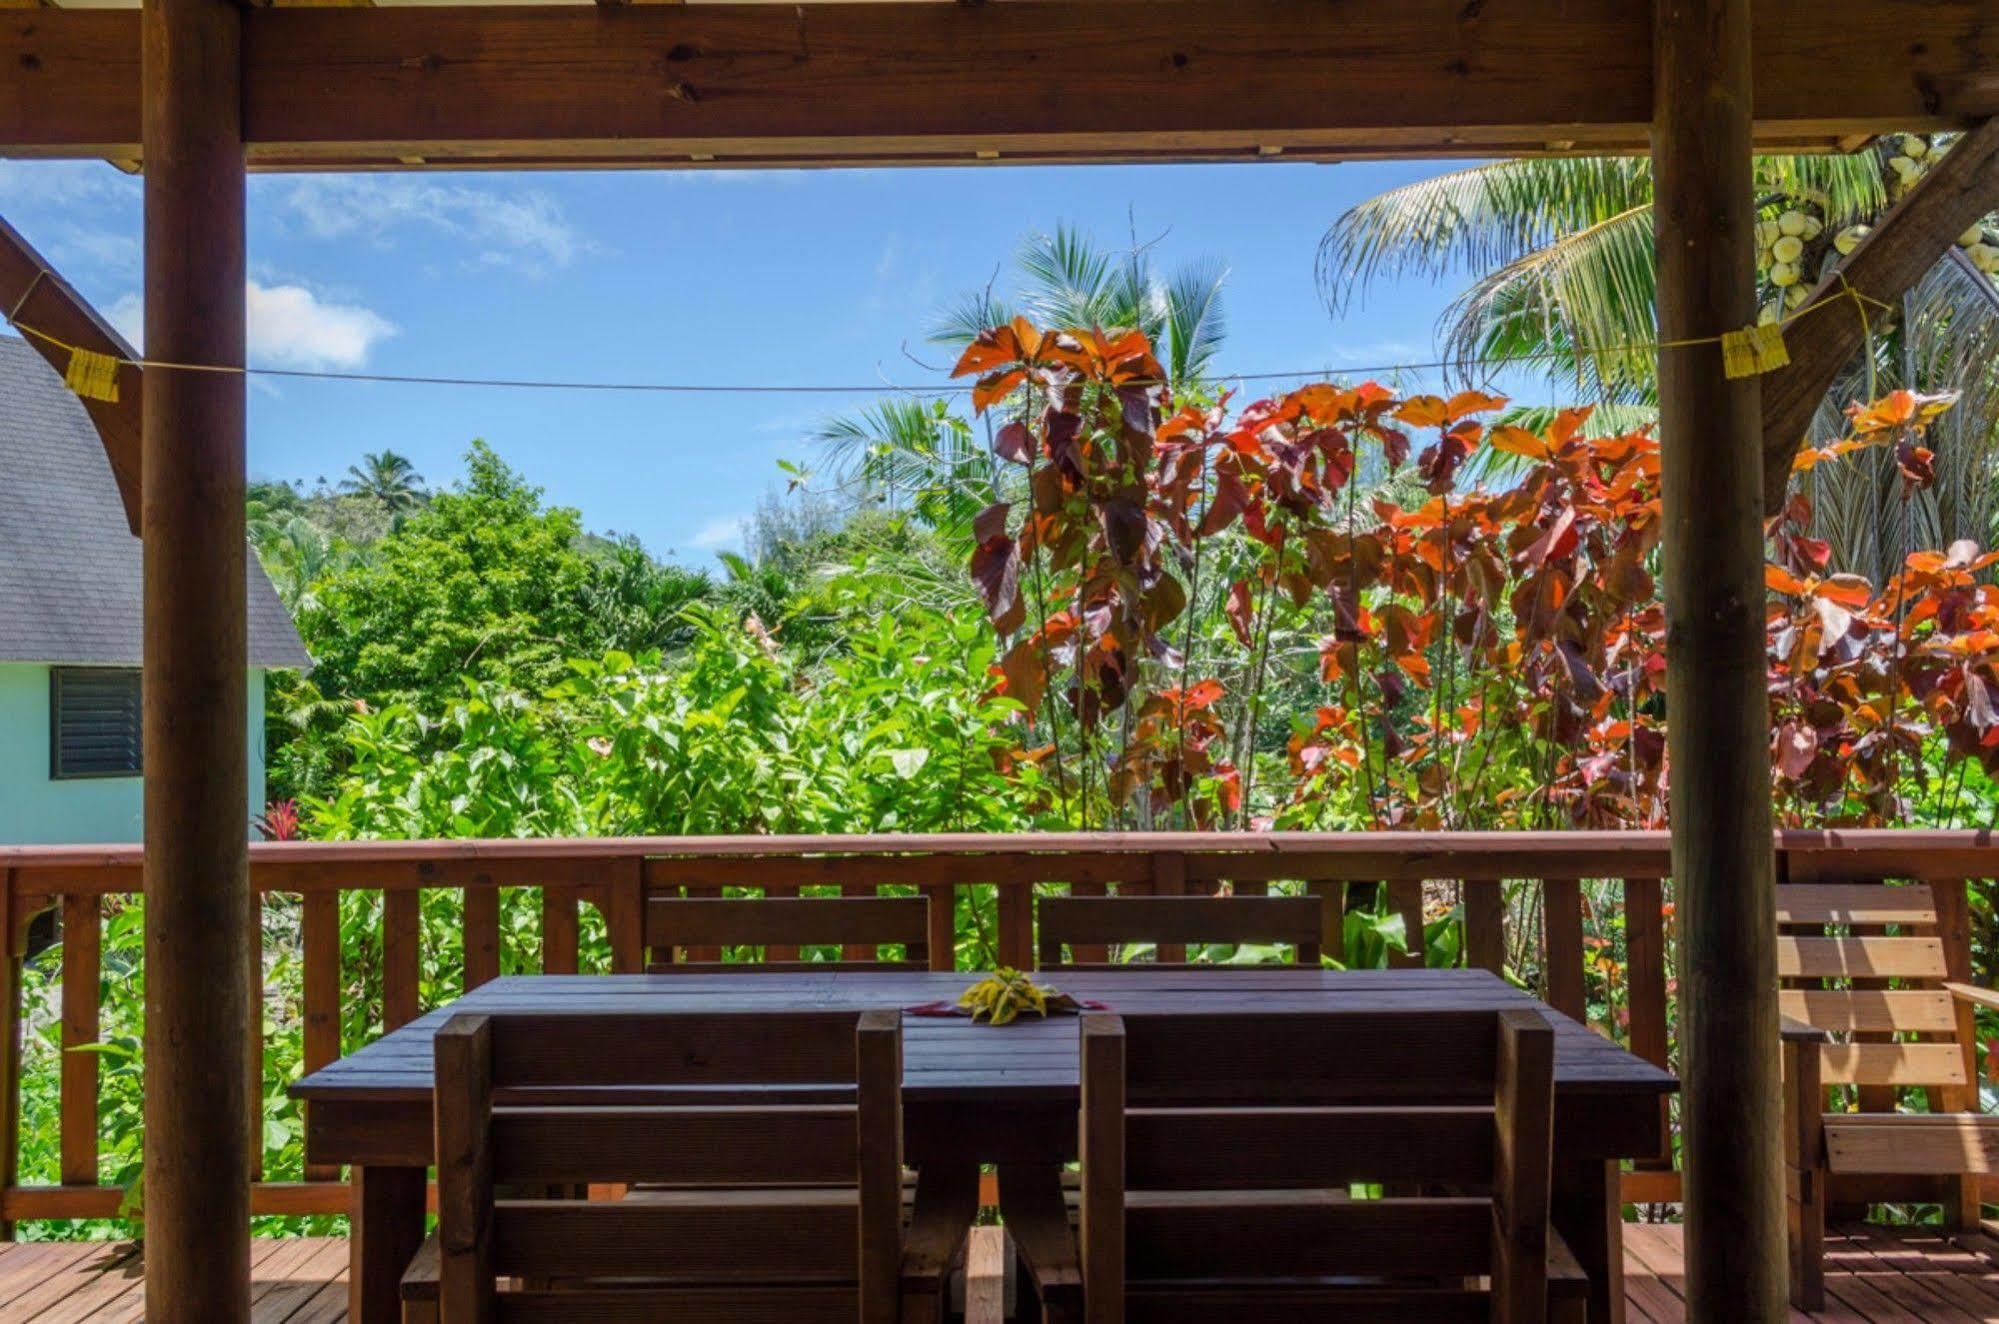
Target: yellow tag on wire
<point>92,375</point>
<point>1754,351</point>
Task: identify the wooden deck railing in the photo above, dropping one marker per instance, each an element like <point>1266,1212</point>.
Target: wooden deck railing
<point>616,877</point>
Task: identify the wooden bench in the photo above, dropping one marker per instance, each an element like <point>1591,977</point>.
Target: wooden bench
<point>1086,927</point>
<point>688,934</point>
<point>1219,1154</point>
<point>1875,1004</point>
<point>762,1208</point>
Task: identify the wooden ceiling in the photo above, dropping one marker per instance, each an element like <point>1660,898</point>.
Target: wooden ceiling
<point>936,82</point>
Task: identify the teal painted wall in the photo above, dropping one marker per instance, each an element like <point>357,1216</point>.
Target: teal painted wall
<point>35,810</point>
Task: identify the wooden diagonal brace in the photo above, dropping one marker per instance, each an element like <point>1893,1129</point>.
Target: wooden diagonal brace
<point>1914,236</point>
<point>33,295</point>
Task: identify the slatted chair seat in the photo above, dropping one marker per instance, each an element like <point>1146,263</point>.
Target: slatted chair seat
<point>1219,1154</point>
<point>1871,1008</point>
<point>1078,931</point>
<point>688,934</point>
<point>765,1210</point>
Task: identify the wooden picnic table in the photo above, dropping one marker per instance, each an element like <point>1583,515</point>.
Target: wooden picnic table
<point>973,1094</point>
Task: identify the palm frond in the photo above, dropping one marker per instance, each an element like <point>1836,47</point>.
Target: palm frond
<point>960,323</point>
<point>1581,306</point>
<point>1070,281</point>
<point>1947,338</point>
<point>1848,188</point>
<point>1470,221</point>
<point>1195,323</point>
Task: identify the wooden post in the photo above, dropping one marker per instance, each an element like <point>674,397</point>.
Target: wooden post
<point>1711,487</point>
<point>197,878</point>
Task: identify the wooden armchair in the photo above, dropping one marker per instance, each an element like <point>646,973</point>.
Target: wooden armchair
<point>1217,1153</point>
<point>775,1141</point>
<point>1874,1001</point>
<point>687,934</point>
<point>1088,926</point>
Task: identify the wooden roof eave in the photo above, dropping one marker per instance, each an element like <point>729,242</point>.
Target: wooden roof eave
<point>505,86</point>
<point>33,295</point>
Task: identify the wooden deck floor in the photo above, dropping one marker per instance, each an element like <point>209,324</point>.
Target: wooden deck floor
<point>1874,1275</point>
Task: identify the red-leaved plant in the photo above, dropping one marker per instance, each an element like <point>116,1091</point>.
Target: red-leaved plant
<point>1474,656</point>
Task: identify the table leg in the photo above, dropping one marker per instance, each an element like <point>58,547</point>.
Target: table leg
<point>387,1228</point>
<point>1584,1207</point>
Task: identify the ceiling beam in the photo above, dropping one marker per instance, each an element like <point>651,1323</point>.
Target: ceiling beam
<point>1029,80</point>
<point>33,295</point>
<point>1913,237</point>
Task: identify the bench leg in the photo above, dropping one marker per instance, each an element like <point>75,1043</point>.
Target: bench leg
<point>387,1228</point>
<point>1585,1208</point>
<point>1805,1173</point>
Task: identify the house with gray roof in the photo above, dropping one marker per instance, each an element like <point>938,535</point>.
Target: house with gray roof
<point>70,625</point>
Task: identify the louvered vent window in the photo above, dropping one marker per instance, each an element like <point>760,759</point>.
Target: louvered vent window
<point>93,722</point>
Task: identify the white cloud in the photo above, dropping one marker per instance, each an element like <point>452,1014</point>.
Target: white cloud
<point>522,229</point>
<point>290,327</point>
<point>720,533</point>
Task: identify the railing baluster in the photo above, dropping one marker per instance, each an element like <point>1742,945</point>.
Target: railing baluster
<point>1562,946</point>
<point>1332,917</point>
<point>708,954</point>
<point>1016,925</point>
<point>857,951</point>
<point>319,922</point>
<point>482,936</point>
<point>1169,878</point>
<point>1405,897</point>
<point>1645,983</point>
<point>82,952</point>
<point>558,930</point>
<point>1096,953</point>
<point>401,940</point>
<point>943,925</point>
<point>625,918</point>
<point>1485,924</point>
<point>786,951</point>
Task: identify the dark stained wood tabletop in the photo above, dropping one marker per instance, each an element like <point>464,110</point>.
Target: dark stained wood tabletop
<point>949,1058</point>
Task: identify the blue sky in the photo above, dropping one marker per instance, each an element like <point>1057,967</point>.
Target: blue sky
<point>799,277</point>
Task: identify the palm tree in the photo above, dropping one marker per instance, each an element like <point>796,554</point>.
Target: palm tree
<point>1067,281</point>
<point>920,456</point>
<point>388,479</point>
<point>914,455</point>
<point>296,556</point>
<point>1559,254</point>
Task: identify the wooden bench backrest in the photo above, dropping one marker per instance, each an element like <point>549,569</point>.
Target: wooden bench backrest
<point>552,1102</point>
<point>681,930</point>
<point>1236,1136</point>
<point>1082,922</point>
<point>1866,962</point>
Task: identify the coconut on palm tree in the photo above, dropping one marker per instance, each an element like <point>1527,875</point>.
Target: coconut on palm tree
<point>1559,255</point>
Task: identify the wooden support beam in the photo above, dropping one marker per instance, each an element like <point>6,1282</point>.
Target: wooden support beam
<point>715,86</point>
<point>199,946</point>
<point>1916,234</point>
<point>32,294</point>
<point>1711,490</point>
